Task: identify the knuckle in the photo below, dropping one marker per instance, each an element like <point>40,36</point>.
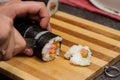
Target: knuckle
<point>42,4</point>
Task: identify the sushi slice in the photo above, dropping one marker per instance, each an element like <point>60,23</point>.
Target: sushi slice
<point>79,55</point>
<point>44,43</point>
<point>52,6</point>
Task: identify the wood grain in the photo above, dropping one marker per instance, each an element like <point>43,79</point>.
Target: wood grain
<point>103,41</point>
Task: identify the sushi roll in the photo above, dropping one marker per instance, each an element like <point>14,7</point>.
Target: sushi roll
<point>49,46</point>
<point>51,5</point>
<point>79,55</point>
<point>45,44</point>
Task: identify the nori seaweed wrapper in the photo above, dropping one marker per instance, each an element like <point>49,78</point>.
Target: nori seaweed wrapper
<point>29,30</point>
<point>41,42</point>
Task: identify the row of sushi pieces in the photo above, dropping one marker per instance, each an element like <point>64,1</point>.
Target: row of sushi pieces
<point>77,54</point>
<point>47,45</point>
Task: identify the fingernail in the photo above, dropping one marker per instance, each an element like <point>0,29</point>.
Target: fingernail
<point>29,52</point>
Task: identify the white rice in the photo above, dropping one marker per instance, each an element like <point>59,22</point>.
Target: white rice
<point>46,49</point>
<point>73,54</point>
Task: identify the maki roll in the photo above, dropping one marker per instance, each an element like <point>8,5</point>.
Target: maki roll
<point>45,44</point>
<point>52,6</point>
<point>49,46</point>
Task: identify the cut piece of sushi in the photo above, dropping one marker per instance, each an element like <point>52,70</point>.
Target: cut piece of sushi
<point>52,6</point>
<point>79,55</point>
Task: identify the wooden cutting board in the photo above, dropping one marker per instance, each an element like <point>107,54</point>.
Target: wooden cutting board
<point>103,41</point>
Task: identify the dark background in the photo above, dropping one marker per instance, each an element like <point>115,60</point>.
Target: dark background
<point>98,18</point>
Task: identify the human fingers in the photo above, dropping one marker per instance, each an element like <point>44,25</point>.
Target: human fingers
<point>34,8</point>
<point>20,43</point>
<point>20,46</point>
<point>49,27</point>
<point>5,30</point>
<point>9,47</point>
<point>28,51</point>
<point>6,37</point>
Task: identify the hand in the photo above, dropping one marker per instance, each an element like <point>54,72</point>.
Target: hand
<point>11,42</point>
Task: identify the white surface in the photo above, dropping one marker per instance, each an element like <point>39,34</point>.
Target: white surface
<point>111,6</point>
